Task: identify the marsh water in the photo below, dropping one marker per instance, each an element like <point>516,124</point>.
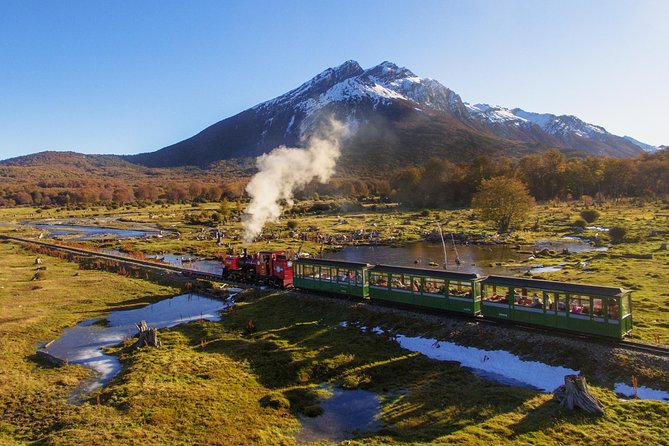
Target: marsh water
<point>346,413</point>
<point>85,343</point>
<point>502,366</point>
<point>480,259</point>
<point>191,262</point>
<point>82,232</point>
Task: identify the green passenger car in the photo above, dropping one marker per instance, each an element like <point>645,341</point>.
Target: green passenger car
<point>420,287</point>
<point>332,276</point>
<point>599,310</point>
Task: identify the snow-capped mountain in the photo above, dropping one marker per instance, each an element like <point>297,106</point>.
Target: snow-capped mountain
<point>562,131</point>
<point>399,117</point>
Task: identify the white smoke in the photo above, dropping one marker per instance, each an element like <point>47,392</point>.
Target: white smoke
<point>285,170</point>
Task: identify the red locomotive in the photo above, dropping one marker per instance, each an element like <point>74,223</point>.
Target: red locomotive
<point>273,268</point>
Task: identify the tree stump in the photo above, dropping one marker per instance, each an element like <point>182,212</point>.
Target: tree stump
<point>147,337</point>
<point>48,357</point>
<point>575,393</point>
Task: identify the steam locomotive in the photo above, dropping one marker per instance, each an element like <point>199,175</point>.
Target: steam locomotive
<point>274,268</point>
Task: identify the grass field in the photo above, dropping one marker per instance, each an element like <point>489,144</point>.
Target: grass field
<point>216,383</point>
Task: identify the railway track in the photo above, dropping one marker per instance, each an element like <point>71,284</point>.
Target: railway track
<point>118,258</point>
<point>652,349</point>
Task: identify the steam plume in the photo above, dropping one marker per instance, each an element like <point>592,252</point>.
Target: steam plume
<point>285,170</point>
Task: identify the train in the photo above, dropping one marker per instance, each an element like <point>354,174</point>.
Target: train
<point>574,307</point>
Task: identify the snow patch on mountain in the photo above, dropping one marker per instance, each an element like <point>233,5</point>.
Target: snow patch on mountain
<point>543,120</point>
<point>494,114</point>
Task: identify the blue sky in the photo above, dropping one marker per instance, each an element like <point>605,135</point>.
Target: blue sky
<point>135,76</point>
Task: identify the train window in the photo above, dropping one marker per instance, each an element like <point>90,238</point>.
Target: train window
<point>625,303</point>
<point>525,297</point>
<point>358,278</point>
<point>458,288</point>
<point>549,301</point>
<point>598,308</point>
<point>434,286</point>
<point>308,271</point>
<point>378,279</point>
<point>579,305</point>
<point>400,281</point>
<point>613,308</point>
<point>326,273</point>
<point>344,276</point>
<point>496,293</point>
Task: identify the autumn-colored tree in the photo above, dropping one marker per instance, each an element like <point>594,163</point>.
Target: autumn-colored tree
<point>503,201</point>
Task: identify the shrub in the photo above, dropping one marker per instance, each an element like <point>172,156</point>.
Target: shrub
<point>313,411</point>
<point>580,223</point>
<point>275,401</point>
<point>617,234</point>
<point>291,224</point>
<point>350,382</point>
<point>590,215</point>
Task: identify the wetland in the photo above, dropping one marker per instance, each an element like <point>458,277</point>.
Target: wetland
<point>404,378</point>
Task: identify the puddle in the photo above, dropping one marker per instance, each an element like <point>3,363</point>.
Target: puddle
<point>597,228</point>
<point>539,269</point>
<point>345,414</point>
<point>84,343</point>
<point>581,242</point>
<point>643,393</point>
<point>494,365</point>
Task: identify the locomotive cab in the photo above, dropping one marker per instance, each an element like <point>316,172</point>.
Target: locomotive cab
<point>275,268</point>
<point>283,271</point>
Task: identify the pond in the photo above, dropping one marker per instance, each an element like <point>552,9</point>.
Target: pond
<point>85,343</point>
<point>478,259</point>
<point>92,232</point>
<point>346,413</point>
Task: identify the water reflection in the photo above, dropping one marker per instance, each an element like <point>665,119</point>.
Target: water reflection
<point>345,414</point>
<point>480,259</point>
<point>92,232</point>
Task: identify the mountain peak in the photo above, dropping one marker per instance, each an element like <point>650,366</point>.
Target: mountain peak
<point>388,71</point>
<point>351,66</point>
